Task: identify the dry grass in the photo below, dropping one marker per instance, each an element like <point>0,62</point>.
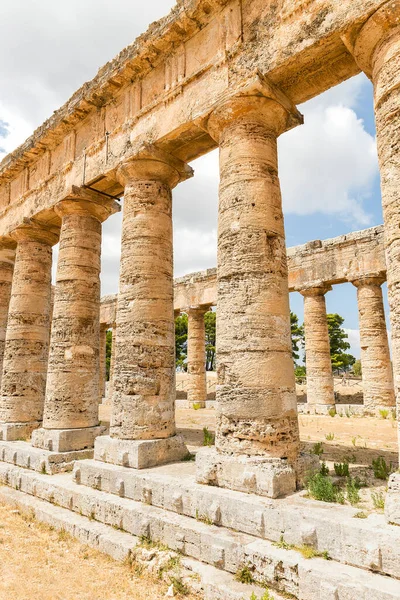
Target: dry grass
<point>39,563</point>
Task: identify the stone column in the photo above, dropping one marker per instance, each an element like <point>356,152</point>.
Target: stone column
<point>377,51</point>
<point>7,259</point>
<point>142,425</point>
<point>110,387</point>
<point>320,394</point>
<point>196,357</point>
<point>103,363</point>
<point>70,420</point>
<point>377,375</point>
<point>257,435</point>
<point>27,336</point>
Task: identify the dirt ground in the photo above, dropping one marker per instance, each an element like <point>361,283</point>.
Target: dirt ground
<point>39,563</point>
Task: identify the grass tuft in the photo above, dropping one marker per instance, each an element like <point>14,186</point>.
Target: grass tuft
<point>208,438</point>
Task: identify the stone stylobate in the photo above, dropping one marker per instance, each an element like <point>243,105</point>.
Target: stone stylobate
<point>142,429</point>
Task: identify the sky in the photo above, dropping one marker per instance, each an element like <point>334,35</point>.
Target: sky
<point>328,167</point>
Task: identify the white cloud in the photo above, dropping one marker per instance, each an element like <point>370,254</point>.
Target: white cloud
<point>354,341</point>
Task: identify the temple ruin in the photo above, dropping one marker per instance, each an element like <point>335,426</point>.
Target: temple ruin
<point>225,74</point>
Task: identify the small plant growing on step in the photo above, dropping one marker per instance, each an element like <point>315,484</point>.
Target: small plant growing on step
<point>330,437</point>
<point>324,469</point>
<point>196,405</point>
<point>332,412</point>
<point>384,413</point>
<point>179,586</point>
<point>318,449</point>
<point>208,438</point>
<point>244,575</point>
<point>360,515</point>
<point>378,500</point>
<point>189,457</point>
<point>266,596</point>
<point>342,469</point>
<point>380,468</point>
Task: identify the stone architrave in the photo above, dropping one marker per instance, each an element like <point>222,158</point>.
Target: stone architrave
<point>257,434</point>
<point>377,375</point>
<point>70,420</point>
<point>7,259</point>
<point>27,336</point>
<point>320,392</point>
<point>196,357</point>
<point>377,52</point>
<point>142,429</point>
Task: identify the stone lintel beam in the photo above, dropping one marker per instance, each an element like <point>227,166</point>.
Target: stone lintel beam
<point>143,403</point>
<point>320,391</point>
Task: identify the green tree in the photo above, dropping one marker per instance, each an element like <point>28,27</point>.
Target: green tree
<point>297,332</point>
<point>210,319</point>
<point>108,353</point>
<point>181,333</point>
<point>357,370</point>
<point>341,360</point>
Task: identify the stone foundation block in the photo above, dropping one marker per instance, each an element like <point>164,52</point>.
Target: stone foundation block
<point>12,432</point>
<point>266,477</point>
<point>24,455</point>
<point>392,503</point>
<point>139,454</point>
<point>66,440</point>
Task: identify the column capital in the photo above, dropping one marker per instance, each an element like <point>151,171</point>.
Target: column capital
<point>197,310</point>
<point>84,202</point>
<point>31,231</point>
<point>379,27</point>
<point>377,280</point>
<point>318,290</point>
<point>152,164</point>
<point>260,101</point>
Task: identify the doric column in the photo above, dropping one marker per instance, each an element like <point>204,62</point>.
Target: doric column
<point>27,336</point>
<point>142,425</point>
<point>320,394</point>
<point>7,259</point>
<point>256,409</point>
<point>103,363</point>
<point>377,51</point>
<point>377,376</point>
<point>70,420</point>
<point>196,356</point>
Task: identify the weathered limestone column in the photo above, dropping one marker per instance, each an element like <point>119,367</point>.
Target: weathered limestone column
<point>7,259</point>
<point>320,393</point>
<point>196,357</point>
<point>27,336</point>
<point>257,435</point>
<point>70,420</point>
<point>377,375</point>
<point>142,429</point>
<point>103,362</point>
<point>377,51</point>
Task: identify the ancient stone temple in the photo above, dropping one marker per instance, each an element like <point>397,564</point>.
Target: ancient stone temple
<point>226,74</point>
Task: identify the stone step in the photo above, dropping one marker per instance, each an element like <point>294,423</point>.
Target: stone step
<point>214,583</point>
<point>369,543</point>
<point>287,571</point>
<point>25,455</point>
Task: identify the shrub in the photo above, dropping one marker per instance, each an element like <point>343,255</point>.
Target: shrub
<point>352,488</point>
<point>378,499</point>
<point>208,438</point>
<point>381,468</point>
<point>324,469</point>
<point>320,487</point>
<point>318,449</point>
<point>244,575</point>
<point>342,469</point>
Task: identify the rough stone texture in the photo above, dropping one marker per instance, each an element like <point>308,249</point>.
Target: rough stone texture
<point>26,456</point>
<point>72,391</point>
<point>7,259</point>
<point>140,454</point>
<point>377,375</point>
<point>319,367</point>
<point>27,337</point>
<point>392,501</point>
<point>103,366</point>
<point>256,398</point>
<point>65,440</point>
<point>196,357</point>
<point>144,372</point>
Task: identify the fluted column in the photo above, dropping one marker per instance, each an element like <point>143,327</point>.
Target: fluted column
<point>27,336</point>
<point>320,393</point>
<point>7,259</point>
<point>377,376</point>
<point>70,417</point>
<point>143,404</point>
<point>196,357</point>
<point>103,362</point>
<point>256,406</point>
